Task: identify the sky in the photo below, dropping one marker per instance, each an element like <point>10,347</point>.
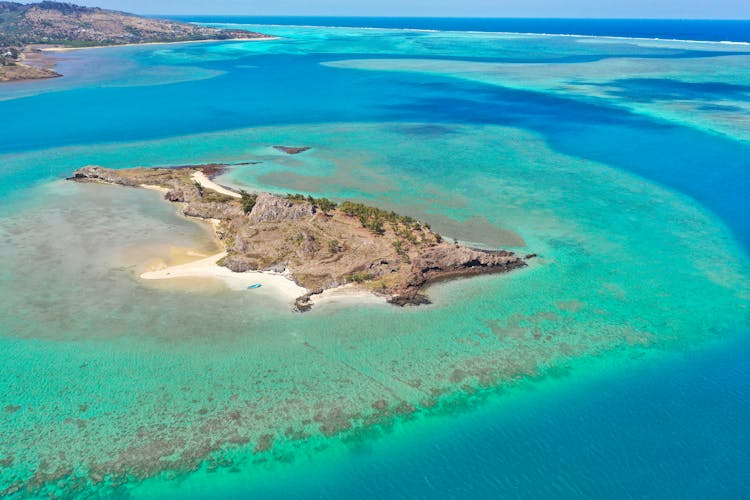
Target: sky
<point>675,9</point>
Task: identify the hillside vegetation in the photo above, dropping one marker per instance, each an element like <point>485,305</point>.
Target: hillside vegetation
<point>73,25</point>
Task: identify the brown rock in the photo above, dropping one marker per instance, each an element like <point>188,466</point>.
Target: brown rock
<point>290,150</point>
<point>272,208</point>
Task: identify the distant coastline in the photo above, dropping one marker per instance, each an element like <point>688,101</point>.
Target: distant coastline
<point>55,26</point>
<point>35,65</point>
<point>683,30</point>
<point>63,48</point>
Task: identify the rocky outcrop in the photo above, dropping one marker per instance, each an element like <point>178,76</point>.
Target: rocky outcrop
<point>305,302</point>
<point>270,207</point>
<point>315,242</point>
<point>446,261</point>
<point>292,150</point>
<point>449,258</point>
<point>93,173</point>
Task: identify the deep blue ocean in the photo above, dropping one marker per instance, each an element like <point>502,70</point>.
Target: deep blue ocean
<point>673,423</point>
<point>676,430</point>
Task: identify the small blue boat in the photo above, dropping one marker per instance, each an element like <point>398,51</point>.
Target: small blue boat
<point>253,287</point>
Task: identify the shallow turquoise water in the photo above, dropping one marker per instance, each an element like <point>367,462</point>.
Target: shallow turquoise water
<point>621,163</point>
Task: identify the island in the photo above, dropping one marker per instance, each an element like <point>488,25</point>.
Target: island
<point>317,243</point>
<point>25,27</point>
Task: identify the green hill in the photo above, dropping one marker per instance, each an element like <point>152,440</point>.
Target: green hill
<point>73,25</point>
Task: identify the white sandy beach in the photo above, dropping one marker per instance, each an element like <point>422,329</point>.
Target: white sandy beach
<point>277,284</point>
<point>207,183</point>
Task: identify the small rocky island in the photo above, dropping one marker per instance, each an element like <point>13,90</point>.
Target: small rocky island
<point>317,243</point>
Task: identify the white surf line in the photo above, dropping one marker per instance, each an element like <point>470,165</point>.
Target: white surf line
<point>513,33</point>
<point>207,183</point>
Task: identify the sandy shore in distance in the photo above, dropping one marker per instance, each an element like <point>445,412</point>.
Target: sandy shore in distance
<point>207,183</point>
<point>275,283</point>
<point>71,49</point>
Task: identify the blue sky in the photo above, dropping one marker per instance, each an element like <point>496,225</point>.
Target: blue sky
<point>701,9</point>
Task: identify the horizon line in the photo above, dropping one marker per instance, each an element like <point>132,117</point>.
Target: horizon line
<point>313,16</point>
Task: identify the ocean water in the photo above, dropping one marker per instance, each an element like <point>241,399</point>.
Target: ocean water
<point>680,29</point>
<point>615,365</point>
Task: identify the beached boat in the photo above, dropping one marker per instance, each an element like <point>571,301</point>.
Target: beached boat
<point>253,287</point>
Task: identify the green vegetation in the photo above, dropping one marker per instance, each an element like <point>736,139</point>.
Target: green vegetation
<point>371,218</point>
<point>323,204</point>
<point>334,246</point>
<point>374,218</point>
<point>248,201</point>
<point>360,277</point>
<point>211,196</point>
<point>9,56</point>
<point>297,198</point>
<point>401,249</point>
<point>76,26</point>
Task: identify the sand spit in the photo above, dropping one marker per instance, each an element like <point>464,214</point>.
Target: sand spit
<point>207,183</point>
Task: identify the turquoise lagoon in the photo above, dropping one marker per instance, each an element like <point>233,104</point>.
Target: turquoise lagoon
<point>616,364</point>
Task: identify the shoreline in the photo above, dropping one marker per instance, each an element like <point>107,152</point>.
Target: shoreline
<point>40,66</point>
<point>208,268</point>
<point>32,64</point>
<point>61,48</point>
<point>277,285</point>
<point>202,179</point>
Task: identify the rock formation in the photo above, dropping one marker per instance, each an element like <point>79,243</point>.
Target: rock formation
<point>292,150</point>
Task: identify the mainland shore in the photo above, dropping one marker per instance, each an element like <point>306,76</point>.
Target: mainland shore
<point>65,27</point>
<point>62,48</point>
